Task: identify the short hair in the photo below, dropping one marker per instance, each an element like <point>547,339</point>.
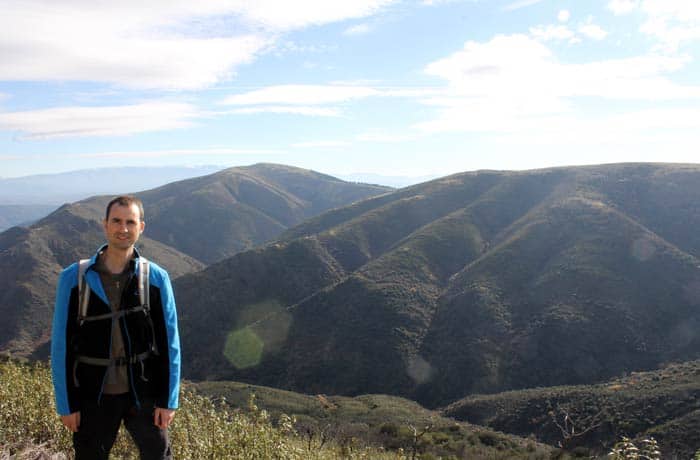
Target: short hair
<point>125,200</point>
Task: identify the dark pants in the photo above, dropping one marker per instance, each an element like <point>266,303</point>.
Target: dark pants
<point>99,426</point>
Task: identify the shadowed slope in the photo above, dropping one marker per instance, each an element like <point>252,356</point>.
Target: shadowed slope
<point>566,299</point>
<point>216,216</point>
<point>475,282</point>
<point>31,259</point>
<point>201,219</point>
<point>662,403</point>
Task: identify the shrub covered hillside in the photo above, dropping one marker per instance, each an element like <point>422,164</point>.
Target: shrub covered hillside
<point>385,421</point>
<point>474,283</point>
<point>203,429</point>
<point>663,404</point>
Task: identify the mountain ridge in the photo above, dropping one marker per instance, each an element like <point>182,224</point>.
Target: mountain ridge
<point>434,310</point>
<point>188,224</point>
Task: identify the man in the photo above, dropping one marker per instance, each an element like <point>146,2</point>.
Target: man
<point>117,357</point>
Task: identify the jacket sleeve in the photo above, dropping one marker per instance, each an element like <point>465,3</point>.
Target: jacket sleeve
<point>61,357</point>
<point>169,347</point>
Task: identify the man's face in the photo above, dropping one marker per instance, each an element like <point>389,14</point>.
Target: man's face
<point>123,226</point>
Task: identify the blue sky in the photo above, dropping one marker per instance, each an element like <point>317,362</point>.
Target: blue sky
<point>389,87</point>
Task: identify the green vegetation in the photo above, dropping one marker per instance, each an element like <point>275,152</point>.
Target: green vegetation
<point>202,429</point>
<point>627,450</point>
<point>388,422</point>
<point>207,428</point>
<point>242,207</point>
<point>662,404</point>
<point>645,449</point>
<point>474,283</point>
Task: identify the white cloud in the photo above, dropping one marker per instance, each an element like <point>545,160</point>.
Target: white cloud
<point>619,7</point>
<point>679,10</point>
<point>672,22</point>
<point>386,138</point>
<point>359,29</point>
<point>514,83</point>
<point>99,121</point>
<point>672,129</point>
<point>479,67</point>
<point>301,94</point>
<point>520,4</point>
<point>563,15</point>
<point>296,110</point>
<point>552,32</point>
<point>310,100</point>
<point>167,44</point>
<point>438,2</point>
<point>320,144</point>
<point>562,32</point>
<point>299,14</point>
<point>592,31</point>
<point>290,46</point>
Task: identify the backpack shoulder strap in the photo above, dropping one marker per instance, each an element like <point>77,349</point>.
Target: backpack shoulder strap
<point>145,298</point>
<point>83,290</point>
<point>144,284</point>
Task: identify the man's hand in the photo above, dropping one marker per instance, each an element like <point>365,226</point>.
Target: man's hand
<point>72,421</point>
<point>163,417</point>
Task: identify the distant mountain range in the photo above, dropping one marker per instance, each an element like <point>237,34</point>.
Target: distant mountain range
<point>24,200</point>
<point>60,188</point>
<point>390,181</point>
<point>477,282</point>
<point>189,223</point>
<point>22,214</point>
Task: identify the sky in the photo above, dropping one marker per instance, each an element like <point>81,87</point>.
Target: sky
<point>389,87</point>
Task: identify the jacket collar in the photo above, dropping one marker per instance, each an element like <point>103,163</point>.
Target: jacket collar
<point>93,278</point>
<point>134,261</point>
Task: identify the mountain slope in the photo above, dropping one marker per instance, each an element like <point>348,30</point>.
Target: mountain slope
<point>31,259</point>
<point>478,282</point>
<point>662,403</point>
<point>377,419</point>
<point>187,223</point>
<point>566,287</point>
<point>216,216</point>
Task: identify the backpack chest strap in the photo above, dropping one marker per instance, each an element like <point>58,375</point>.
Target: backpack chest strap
<point>84,292</point>
<point>115,315</point>
<point>122,361</point>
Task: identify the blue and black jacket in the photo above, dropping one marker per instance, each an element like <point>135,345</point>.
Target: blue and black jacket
<point>151,341</point>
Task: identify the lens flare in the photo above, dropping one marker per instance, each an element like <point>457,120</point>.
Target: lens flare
<point>261,329</point>
<point>243,348</point>
<point>419,369</point>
